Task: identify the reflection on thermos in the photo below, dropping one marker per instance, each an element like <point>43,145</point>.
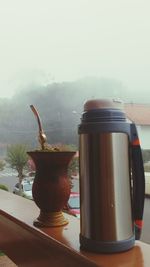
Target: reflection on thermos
<point>112,182</point>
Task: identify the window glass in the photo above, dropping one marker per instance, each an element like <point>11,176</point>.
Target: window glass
<point>55,55</point>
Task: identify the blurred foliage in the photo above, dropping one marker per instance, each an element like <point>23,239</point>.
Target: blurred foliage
<point>146,155</point>
<point>73,168</point>
<point>17,158</point>
<point>4,187</point>
<point>2,165</point>
<point>147,167</point>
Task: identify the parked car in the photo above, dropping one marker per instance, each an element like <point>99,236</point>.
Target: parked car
<point>73,205</point>
<point>26,188</point>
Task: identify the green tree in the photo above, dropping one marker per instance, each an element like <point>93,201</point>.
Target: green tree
<point>4,187</point>
<point>73,167</point>
<point>17,158</point>
<point>2,165</point>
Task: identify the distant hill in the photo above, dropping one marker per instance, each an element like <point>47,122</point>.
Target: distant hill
<point>59,105</point>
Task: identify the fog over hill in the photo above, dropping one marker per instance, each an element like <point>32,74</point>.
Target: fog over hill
<point>60,106</point>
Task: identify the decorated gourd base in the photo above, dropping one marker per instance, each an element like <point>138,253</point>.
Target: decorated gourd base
<point>50,219</point>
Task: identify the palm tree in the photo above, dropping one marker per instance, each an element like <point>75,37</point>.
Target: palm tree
<point>17,159</point>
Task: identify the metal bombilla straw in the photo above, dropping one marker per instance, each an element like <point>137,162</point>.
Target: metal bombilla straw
<point>42,137</point>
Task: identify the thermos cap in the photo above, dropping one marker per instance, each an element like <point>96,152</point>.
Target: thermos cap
<point>102,104</point>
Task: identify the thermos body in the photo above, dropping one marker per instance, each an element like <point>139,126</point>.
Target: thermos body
<point>106,186</point>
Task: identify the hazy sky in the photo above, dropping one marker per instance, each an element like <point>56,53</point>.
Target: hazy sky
<point>43,41</point>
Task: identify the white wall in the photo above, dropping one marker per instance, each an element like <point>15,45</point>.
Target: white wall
<point>144,135</point>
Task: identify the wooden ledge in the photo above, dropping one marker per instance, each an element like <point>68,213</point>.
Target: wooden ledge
<point>29,246</point>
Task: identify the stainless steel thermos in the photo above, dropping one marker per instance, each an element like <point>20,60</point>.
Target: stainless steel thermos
<point>112,182</point>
